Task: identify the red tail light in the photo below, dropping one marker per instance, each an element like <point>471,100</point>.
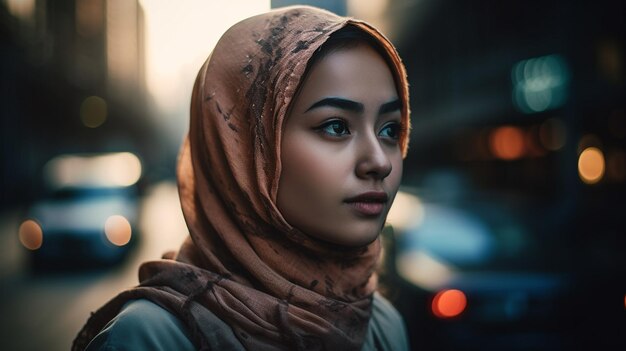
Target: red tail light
<point>449,303</point>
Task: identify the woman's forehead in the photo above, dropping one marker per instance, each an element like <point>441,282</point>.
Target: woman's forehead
<point>352,73</point>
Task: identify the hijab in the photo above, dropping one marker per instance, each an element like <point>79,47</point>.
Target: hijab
<point>276,287</point>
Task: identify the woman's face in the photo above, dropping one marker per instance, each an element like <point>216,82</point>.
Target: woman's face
<point>341,161</point>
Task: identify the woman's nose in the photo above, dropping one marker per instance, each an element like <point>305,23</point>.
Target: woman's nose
<point>372,162</point>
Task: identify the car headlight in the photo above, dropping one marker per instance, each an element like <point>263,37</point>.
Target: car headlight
<point>117,230</point>
<point>31,234</point>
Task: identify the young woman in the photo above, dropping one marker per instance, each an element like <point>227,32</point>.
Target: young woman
<point>299,124</point>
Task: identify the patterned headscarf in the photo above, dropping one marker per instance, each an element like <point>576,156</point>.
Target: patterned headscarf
<point>277,288</point>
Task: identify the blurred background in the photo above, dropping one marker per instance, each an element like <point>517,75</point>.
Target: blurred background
<point>508,233</point>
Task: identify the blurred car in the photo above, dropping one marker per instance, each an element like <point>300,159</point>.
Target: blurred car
<point>89,215</point>
<point>468,279</point>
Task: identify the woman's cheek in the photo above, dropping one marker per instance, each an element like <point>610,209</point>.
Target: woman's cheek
<point>315,165</point>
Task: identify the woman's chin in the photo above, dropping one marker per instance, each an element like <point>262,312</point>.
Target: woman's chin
<point>354,235</point>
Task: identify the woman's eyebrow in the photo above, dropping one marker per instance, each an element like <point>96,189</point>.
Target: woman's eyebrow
<point>337,102</point>
<point>390,106</point>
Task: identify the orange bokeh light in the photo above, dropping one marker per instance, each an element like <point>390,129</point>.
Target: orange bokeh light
<point>591,165</point>
<point>507,143</point>
<point>449,303</point>
<point>31,234</point>
<point>117,230</point>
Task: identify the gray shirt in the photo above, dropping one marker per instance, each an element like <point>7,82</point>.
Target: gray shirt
<point>143,325</point>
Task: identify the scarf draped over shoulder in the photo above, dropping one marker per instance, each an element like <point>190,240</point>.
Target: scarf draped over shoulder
<point>277,288</point>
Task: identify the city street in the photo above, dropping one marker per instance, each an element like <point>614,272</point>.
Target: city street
<point>508,232</point>
<point>45,311</point>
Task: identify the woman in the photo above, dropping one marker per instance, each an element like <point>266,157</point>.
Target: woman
<point>299,123</point>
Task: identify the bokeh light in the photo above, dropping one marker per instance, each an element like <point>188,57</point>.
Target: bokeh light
<point>24,9</point>
<point>591,165</point>
<point>449,303</point>
<point>125,169</point>
<point>406,211</point>
<point>422,269</point>
<point>104,170</point>
<point>31,234</point>
<point>117,230</point>
<point>540,83</point>
<point>507,142</point>
<point>93,111</point>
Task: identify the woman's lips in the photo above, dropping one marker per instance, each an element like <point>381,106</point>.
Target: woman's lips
<point>368,209</point>
<point>369,204</point>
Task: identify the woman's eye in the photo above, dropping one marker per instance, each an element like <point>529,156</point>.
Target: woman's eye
<point>390,130</point>
<point>334,128</point>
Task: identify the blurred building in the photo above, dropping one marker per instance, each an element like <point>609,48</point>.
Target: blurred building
<point>522,102</point>
<point>72,81</point>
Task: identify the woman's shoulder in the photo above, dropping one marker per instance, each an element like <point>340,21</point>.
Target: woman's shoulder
<point>384,313</point>
<point>142,325</point>
<point>387,330</point>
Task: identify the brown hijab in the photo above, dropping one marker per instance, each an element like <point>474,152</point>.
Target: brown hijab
<point>276,287</point>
